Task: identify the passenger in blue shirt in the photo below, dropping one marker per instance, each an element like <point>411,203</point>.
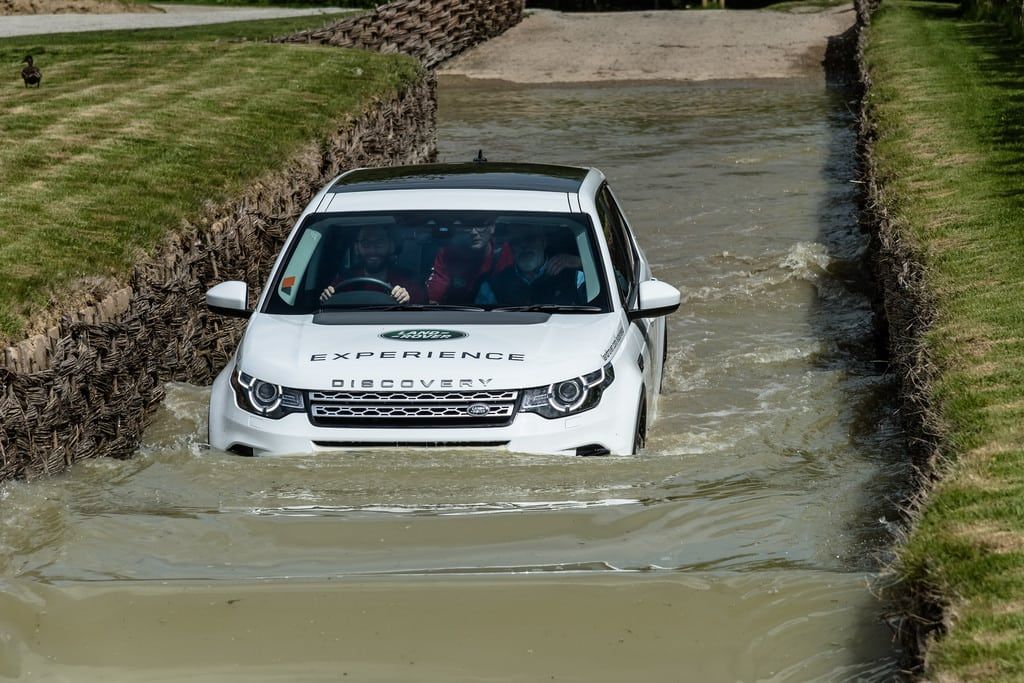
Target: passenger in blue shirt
<point>533,278</point>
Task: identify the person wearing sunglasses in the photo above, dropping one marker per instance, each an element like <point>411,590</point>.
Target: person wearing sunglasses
<point>469,259</point>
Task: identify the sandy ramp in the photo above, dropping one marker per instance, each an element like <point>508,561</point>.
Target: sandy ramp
<point>697,45</point>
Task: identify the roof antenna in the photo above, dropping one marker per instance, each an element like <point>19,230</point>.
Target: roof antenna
<point>480,158</point>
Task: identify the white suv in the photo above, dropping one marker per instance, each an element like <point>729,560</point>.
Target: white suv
<point>455,305</point>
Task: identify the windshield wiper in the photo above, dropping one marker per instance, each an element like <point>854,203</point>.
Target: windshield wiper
<point>550,308</point>
<point>401,307</point>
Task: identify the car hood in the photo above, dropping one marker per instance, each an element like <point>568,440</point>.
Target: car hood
<point>294,352</point>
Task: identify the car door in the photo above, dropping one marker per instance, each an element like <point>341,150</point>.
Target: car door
<point>656,328</point>
<point>626,264</point>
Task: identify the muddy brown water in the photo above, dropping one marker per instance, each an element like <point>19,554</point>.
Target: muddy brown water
<point>738,547</point>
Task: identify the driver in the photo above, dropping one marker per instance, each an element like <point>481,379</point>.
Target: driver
<point>374,248</point>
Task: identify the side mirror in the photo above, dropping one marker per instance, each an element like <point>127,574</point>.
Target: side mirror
<point>655,298</point>
<point>229,298</point>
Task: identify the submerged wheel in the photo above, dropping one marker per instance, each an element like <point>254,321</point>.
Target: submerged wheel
<point>640,433</point>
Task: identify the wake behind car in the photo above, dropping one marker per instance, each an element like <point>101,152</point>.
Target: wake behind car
<point>480,305</point>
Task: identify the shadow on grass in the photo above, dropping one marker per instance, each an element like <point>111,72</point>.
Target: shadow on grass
<point>937,9</point>
<point>998,115</point>
<point>1002,70</point>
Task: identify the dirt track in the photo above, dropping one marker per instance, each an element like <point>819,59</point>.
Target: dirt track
<point>697,45</point>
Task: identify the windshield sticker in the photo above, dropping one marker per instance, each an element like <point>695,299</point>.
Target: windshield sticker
<point>610,351</point>
<point>423,335</point>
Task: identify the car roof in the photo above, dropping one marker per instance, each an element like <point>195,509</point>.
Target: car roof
<point>465,176</point>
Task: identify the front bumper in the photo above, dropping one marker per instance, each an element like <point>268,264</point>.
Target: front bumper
<point>609,425</point>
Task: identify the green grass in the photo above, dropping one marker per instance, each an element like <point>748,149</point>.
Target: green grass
<point>237,31</point>
<point>805,6</point>
<point>132,133</point>
<point>948,100</point>
<point>367,4</point>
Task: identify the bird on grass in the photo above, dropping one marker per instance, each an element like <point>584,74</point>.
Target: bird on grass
<point>31,74</point>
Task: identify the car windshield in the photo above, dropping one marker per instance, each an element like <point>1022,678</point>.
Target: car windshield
<point>468,260</point>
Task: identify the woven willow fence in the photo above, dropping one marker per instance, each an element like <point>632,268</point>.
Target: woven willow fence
<point>431,30</point>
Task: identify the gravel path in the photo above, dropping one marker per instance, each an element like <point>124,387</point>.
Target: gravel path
<point>169,16</point>
<point>689,45</point>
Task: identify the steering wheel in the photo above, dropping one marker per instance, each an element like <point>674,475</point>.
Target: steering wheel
<point>385,287</point>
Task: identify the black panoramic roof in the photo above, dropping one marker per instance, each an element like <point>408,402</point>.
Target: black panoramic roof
<point>472,176</point>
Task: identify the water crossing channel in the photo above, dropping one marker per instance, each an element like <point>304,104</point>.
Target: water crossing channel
<point>736,548</point>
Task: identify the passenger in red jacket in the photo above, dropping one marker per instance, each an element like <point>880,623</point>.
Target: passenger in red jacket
<point>375,247</point>
<point>460,267</point>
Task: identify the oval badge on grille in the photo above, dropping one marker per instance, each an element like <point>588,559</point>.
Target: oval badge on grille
<point>478,409</point>
<point>423,335</point>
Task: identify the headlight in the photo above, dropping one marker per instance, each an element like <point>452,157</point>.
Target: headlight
<point>265,399</point>
<point>570,396</point>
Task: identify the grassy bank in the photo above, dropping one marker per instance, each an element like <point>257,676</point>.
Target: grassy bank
<point>132,133</point>
<point>948,101</point>
<point>365,4</point>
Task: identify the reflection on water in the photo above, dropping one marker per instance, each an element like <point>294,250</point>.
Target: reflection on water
<point>737,547</point>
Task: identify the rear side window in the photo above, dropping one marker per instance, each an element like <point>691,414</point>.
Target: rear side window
<point>623,258</point>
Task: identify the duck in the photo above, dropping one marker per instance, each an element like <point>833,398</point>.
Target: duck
<point>31,74</point>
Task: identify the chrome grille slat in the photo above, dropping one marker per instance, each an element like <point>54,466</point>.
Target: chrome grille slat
<point>412,408</point>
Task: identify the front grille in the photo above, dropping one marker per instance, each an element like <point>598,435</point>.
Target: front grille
<point>390,411</point>
<point>412,408</point>
<point>412,396</point>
